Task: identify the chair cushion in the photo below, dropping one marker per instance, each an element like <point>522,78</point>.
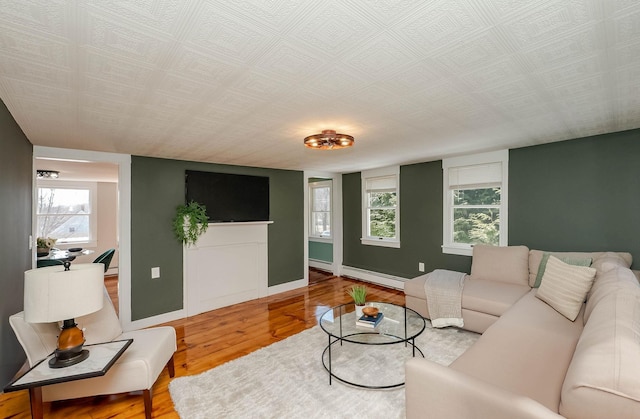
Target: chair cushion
<point>38,340</point>
<point>103,325</point>
<point>508,264</point>
<point>137,369</point>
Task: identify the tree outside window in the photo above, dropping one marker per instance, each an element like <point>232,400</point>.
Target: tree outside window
<point>382,214</point>
<point>320,195</point>
<point>64,214</point>
<point>381,207</point>
<point>475,197</point>
<point>476,216</point>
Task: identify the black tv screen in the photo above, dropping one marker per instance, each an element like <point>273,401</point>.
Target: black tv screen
<point>229,197</point>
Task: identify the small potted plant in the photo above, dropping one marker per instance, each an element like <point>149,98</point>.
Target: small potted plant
<point>44,245</point>
<point>190,222</point>
<point>359,295</point>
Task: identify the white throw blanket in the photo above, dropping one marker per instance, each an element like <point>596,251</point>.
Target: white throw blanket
<point>444,297</point>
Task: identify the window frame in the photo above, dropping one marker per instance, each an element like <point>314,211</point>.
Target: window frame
<point>315,185</point>
<point>392,172</point>
<point>487,160</point>
<point>92,187</point>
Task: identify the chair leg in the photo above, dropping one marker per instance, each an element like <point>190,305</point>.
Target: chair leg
<point>171,367</point>
<point>147,403</point>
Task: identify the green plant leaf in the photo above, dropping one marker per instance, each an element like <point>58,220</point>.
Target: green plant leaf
<point>190,222</point>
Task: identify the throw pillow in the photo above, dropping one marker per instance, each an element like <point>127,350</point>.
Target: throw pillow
<point>564,287</point>
<point>571,260</point>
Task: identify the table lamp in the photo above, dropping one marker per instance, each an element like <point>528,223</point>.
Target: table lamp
<point>61,293</point>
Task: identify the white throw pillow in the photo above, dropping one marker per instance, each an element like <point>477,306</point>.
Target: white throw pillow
<point>564,287</point>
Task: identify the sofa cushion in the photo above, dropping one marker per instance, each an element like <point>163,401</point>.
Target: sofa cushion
<point>603,379</point>
<point>609,260</point>
<point>571,260</point>
<point>483,296</point>
<point>508,264</point>
<point>609,282</point>
<point>491,297</point>
<point>535,257</point>
<point>526,352</point>
<point>564,287</point>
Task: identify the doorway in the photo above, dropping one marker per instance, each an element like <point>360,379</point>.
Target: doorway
<point>111,174</point>
<point>323,219</point>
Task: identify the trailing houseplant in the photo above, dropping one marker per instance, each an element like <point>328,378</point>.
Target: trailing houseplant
<point>190,222</point>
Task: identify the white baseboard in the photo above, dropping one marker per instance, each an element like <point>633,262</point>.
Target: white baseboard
<point>182,314</point>
<point>287,286</point>
<point>318,264</point>
<point>155,320</point>
<point>374,277</point>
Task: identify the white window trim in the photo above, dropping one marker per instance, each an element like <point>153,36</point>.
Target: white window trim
<point>501,156</point>
<point>321,184</point>
<point>379,241</point>
<point>93,201</point>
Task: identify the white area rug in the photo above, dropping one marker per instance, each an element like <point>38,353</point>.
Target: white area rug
<point>287,379</point>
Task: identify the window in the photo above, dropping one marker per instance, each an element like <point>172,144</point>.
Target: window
<point>381,207</point>
<point>320,207</point>
<point>66,212</point>
<point>475,201</point>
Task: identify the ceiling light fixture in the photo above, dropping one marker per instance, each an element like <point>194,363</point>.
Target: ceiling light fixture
<point>328,140</point>
<point>47,174</point>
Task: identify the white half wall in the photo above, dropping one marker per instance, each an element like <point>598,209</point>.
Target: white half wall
<point>227,265</point>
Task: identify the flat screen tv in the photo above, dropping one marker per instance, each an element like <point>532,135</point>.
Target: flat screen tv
<point>229,197</point>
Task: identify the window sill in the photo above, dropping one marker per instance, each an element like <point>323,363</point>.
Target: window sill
<point>381,243</point>
<point>458,250</point>
<point>84,244</point>
<point>320,239</point>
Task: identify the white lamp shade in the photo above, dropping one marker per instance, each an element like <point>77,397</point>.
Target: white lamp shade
<point>52,294</point>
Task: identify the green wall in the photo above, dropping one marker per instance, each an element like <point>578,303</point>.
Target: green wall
<point>420,226</point>
<point>158,188</point>
<point>581,195</point>
<point>321,251</point>
<point>16,162</point>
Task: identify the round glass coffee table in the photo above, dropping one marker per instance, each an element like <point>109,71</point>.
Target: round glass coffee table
<point>370,357</point>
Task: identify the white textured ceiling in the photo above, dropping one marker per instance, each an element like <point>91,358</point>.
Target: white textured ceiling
<point>242,82</point>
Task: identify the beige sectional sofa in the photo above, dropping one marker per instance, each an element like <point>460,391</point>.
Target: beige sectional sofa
<point>532,361</point>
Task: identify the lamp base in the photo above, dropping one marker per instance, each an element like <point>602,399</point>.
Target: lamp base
<point>66,359</point>
<point>69,351</point>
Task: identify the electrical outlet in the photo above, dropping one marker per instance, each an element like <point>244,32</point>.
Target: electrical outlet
<point>155,272</point>
<point>421,266</point>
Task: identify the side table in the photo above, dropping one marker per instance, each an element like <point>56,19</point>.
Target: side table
<point>102,357</point>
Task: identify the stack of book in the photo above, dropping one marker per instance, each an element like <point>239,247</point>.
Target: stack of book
<point>369,321</point>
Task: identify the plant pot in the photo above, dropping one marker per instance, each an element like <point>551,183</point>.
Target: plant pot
<point>359,311</point>
<point>43,251</point>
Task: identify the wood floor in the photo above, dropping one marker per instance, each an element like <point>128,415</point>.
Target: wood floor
<point>211,339</point>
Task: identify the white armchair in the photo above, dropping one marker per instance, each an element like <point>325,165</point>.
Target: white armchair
<point>137,369</point>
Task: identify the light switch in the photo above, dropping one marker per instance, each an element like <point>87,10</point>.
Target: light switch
<point>155,272</point>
